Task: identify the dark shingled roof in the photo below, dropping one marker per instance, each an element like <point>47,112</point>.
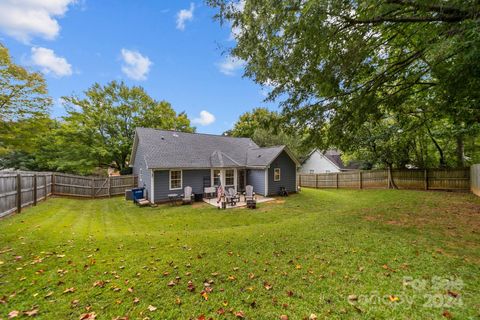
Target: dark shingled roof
<point>171,149</point>
<point>336,157</point>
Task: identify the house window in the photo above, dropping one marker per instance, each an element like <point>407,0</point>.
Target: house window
<point>175,179</point>
<point>216,178</point>
<point>312,171</point>
<point>229,177</point>
<point>276,174</point>
<point>327,171</point>
<point>140,175</point>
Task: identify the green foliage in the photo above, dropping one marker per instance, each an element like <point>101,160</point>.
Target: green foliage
<point>267,128</point>
<point>22,93</point>
<point>101,125</point>
<point>345,66</point>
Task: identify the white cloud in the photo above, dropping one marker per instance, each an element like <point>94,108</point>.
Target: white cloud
<point>49,62</point>
<point>24,19</point>
<point>185,15</point>
<point>230,66</point>
<point>205,118</point>
<point>135,65</point>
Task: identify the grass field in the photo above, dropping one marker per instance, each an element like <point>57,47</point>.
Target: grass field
<point>332,253</point>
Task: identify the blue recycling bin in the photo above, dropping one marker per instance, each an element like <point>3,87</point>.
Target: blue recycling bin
<point>137,194</point>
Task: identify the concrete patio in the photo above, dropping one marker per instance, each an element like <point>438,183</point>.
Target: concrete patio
<point>241,203</point>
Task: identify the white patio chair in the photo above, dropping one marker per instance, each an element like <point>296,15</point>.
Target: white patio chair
<point>187,196</point>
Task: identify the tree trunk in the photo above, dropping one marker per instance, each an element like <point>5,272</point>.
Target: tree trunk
<point>460,151</point>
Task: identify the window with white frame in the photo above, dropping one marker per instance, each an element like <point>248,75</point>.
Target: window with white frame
<point>175,179</point>
<point>229,177</point>
<point>276,174</point>
<point>216,178</point>
<point>312,171</point>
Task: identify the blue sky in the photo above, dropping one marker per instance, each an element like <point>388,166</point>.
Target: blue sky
<point>174,49</point>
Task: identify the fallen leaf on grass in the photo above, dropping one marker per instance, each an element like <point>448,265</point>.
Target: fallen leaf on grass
<point>151,308</point>
<point>283,317</point>
<point>190,286</point>
<point>204,295</point>
<point>136,300</point>
<point>447,314</point>
<point>240,314</point>
<point>130,289</point>
<point>69,290</point>
<point>267,285</point>
<point>393,298</point>
<point>121,318</point>
<point>88,316</point>
<point>99,283</point>
<point>171,283</point>
<point>178,301</point>
<point>31,313</point>
<point>13,314</point>
<point>313,317</point>
<point>221,311</point>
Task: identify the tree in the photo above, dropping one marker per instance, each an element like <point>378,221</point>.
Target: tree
<point>22,92</point>
<point>344,65</point>
<point>100,126</point>
<point>267,128</point>
<point>21,141</point>
<point>251,121</point>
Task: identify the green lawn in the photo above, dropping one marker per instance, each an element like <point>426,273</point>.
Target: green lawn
<point>302,255</point>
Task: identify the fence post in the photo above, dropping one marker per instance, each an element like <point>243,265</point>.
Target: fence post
<point>19,193</point>
<point>52,184</point>
<point>34,189</point>
<point>93,187</point>
<point>336,179</point>
<point>316,181</point>
<point>360,179</point>
<point>425,179</point>
<point>109,187</point>
<point>46,187</point>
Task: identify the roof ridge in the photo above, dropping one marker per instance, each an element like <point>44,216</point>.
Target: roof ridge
<point>195,133</point>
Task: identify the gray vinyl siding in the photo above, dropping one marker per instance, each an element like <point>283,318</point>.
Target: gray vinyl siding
<point>144,179</point>
<point>192,178</point>
<point>288,175</point>
<point>256,178</point>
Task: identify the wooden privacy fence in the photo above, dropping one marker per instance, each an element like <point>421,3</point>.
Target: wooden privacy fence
<point>418,179</point>
<point>475,178</point>
<point>18,190</point>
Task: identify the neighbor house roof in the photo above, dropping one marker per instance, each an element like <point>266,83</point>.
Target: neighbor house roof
<point>335,157</point>
<point>172,149</point>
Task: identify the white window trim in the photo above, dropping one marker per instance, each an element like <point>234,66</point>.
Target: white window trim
<point>234,178</point>
<point>279,174</point>
<point>170,180</point>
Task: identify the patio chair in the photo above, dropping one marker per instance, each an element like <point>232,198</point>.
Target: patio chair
<point>232,197</point>
<point>250,198</point>
<point>188,195</point>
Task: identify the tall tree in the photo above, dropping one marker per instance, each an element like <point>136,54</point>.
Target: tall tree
<point>342,65</point>
<point>267,128</point>
<point>103,122</point>
<point>22,93</point>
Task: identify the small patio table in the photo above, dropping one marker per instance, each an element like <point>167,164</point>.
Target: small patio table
<point>173,197</point>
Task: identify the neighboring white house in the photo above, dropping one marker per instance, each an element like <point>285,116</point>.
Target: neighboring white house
<point>324,162</point>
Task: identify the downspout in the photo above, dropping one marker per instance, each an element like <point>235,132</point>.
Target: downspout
<point>152,186</point>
